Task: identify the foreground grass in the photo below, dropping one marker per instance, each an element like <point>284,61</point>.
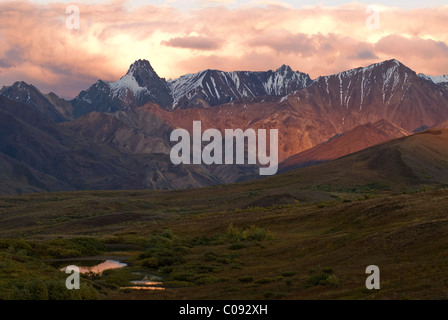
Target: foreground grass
<point>243,243</point>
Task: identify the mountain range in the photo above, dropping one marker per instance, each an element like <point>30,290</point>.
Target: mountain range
<point>141,85</point>
<point>116,135</point>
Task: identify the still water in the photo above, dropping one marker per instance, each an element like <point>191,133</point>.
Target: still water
<point>146,284</point>
<point>99,268</point>
<point>149,282</point>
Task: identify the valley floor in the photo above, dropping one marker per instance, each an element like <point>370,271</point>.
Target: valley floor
<point>209,245</point>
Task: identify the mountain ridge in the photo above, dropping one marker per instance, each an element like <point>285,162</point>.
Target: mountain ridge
<point>207,88</point>
<point>346,143</point>
<point>129,145</point>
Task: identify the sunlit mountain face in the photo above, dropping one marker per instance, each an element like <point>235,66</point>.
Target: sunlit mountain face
<point>116,135</point>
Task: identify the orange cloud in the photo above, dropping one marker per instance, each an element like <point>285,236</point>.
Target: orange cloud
<point>35,45</point>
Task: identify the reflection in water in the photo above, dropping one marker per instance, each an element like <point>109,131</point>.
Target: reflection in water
<point>99,268</point>
<point>146,284</point>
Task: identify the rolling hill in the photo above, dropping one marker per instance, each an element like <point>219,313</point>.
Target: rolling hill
<point>359,138</point>
<point>309,233</point>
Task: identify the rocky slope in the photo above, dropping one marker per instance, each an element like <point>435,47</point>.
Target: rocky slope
<point>117,135</point>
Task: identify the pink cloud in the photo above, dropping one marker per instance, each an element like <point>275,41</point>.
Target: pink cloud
<point>36,47</point>
<point>195,43</point>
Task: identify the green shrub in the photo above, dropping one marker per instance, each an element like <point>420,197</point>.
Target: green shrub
<point>17,294</point>
<point>89,246</point>
<point>327,270</point>
<point>63,252</point>
<point>159,241</point>
<point>16,243</point>
<point>265,280</point>
<point>233,234</point>
<point>252,233</point>
<point>317,279</point>
<point>332,281</point>
<point>58,291</point>
<point>224,260</point>
<point>169,257</point>
<point>88,292</point>
<point>257,234</point>
<point>210,256</point>
<point>150,262</point>
<point>163,256</point>
<point>36,290</point>
<point>180,249</point>
<point>76,247</point>
<point>167,234</point>
<point>322,276</point>
<point>246,279</point>
<point>182,276</point>
<point>289,273</point>
<point>52,290</point>
<point>237,246</point>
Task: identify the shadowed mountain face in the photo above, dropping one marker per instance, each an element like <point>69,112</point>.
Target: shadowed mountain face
<point>50,106</point>
<point>117,135</point>
<point>142,85</point>
<point>39,155</point>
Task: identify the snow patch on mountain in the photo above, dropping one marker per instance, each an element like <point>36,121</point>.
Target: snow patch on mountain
<point>218,87</point>
<point>186,85</point>
<point>128,82</point>
<point>435,79</point>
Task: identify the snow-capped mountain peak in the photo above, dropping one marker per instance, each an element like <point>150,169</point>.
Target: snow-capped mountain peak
<point>141,66</point>
<point>436,79</point>
<point>138,86</point>
<point>389,82</point>
<point>128,82</point>
<point>141,85</point>
<point>214,87</point>
<point>284,69</point>
<point>137,79</point>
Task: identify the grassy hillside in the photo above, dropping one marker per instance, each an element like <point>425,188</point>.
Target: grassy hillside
<point>306,234</point>
<point>256,253</point>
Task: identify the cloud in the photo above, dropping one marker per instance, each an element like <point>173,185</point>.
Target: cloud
<point>196,43</point>
<point>35,45</point>
<point>365,54</point>
<point>412,47</point>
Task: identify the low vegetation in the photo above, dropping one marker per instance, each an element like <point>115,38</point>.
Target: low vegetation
<point>213,246</point>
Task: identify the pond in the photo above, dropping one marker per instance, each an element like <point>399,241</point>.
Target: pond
<point>148,281</point>
<point>99,268</point>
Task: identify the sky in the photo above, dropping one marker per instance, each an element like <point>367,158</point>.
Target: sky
<point>41,44</point>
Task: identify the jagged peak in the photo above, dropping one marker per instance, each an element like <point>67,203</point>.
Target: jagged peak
<point>284,69</point>
<point>383,65</point>
<point>100,83</point>
<point>387,63</point>
<point>139,66</point>
<point>20,86</point>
